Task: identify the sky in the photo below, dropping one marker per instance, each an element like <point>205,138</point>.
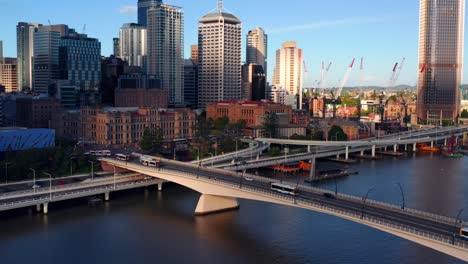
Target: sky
<point>382,32</point>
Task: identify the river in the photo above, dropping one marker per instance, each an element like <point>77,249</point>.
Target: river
<point>149,227</point>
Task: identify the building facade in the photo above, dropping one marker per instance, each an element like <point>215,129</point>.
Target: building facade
<point>132,44</point>
<point>46,59</point>
<point>253,82</point>
<point>220,58</point>
<point>140,91</point>
<point>166,49</point>
<point>116,47</point>
<point>143,7</point>
<point>288,70</point>
<point>9,74</point>
<point>441,37</point>
<point>25,52</point>
<point>250,111</point>
<point>191,83</point>
<point>36,112</point>
<point>257,48</point>
<point>80,62</point>
<point>194,53</point>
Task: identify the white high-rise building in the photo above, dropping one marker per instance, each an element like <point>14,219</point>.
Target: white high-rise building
<point>166,49</point>
<point>25,52</point>
<point>288,70</point>
<point>220,58</point>
<point>257,43</point>
<point>132,44</point>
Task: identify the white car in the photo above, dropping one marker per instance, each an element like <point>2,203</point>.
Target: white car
<point>36,186</point>
<point>248,179</point>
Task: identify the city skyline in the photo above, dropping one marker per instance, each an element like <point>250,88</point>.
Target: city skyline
<point>356,30</point>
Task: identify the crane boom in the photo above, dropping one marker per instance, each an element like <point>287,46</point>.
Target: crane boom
<point>345,79</point>
<point>399,71</point>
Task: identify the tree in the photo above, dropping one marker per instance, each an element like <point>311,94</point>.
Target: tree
<point>202,126</point>
<point>242,123</point>
<point>337,133</point>
<point>464,113</point>
<point>151,140</point>
<point>271,125</point>
<point>221,122</point>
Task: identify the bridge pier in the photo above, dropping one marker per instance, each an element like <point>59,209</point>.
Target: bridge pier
<point>210,204</point>
<point>373,151</point>
<point>406,147</point>
<point>160,185</point>
<point>414,147</point>
<point>258,156</point>
<point>432,144</point>
<point>309,149</point>
<point>106,196</point>
<point>46,208</point>
<point>347,153</point>
<point>38,208</point>
<point>445,142</point>
<point>395,148</point>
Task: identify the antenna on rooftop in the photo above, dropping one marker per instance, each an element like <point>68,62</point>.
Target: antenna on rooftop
<point>220,6</point>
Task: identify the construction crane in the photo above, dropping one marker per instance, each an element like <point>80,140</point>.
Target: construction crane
<point>325,71</point>
<point>84,29</point>
<point>359,105</point>
<point>396,73</point>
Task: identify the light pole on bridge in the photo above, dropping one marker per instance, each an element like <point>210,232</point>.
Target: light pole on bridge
<point>50,184</point>
<point>456,222</point>
<point>364,199</point>
<point>34,178</point>
<point>402,196</point>
<point>92,168</point>
<point>71,165</point>
<point>6,171</point>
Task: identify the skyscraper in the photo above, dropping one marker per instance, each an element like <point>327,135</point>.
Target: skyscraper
<point>253,82</point>
<point>166,49</point>
<point>143,7</point>
<point>191,83</point>
<point>132,45</point>
<point>1,51</point>
<point>46,59</point>
<point>8,74</point>
<point>288,70</point>
<point>220,57</point>
<point>116,46</point>
<point>257,43</point>
<point>441,37</point>
<point>194,53</point>
<point>25,51</point>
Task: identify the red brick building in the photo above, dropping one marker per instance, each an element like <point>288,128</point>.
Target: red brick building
<point>250,111</point>
<point>36,112</point>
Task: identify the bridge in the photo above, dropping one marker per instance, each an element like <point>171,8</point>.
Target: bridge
<point>42,197</point>
<point>337,148</point>
<point>220,190</point>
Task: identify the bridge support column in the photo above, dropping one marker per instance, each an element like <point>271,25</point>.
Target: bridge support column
<point>160,185</point>
<point>38,207</point>
<point>373,150</point>
<point>210,204</point>
<point>445,142</point>
<point>46,208</point>
<point>347,153</point>
<point>385,148</point>
<point>362,152</point>
<point>395,148</point>
<point>406,147</point>
<point>414,147</point>
<point>309,149</point>
<point>432,144</point>
<point>106,196</point>
<point>258,156</point>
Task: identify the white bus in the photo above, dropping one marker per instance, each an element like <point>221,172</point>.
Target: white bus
<point>464,233</point>
<point>122,157</point>
<point>283,188</point>
<point>100,153</point>
<point>149,161</point>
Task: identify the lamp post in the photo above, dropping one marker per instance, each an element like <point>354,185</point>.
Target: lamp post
<point>456,222</point>
<point>34,178</point>
<point>50,185</point>
<point>92,168</point>
<point>364,202</point>
<point>336,186</point>
<point>71,165</point>
<point>114,177</point>
<point>6,171</point>
<point>402,196</point>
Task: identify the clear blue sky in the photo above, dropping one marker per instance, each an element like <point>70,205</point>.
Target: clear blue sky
<point>383,32</point>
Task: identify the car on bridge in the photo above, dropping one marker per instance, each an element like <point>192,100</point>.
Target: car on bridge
<point>329,196</point>
<point>248,179</point>
<point>36,186</point>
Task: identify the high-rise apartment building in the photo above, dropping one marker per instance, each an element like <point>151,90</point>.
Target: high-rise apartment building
<point>194,53</point>
<point>1,51</point>
<point>46,59</point>
<point>132,45</point>
<point>143,7</point>
<point>257,43</point>
<point>116,47</point>
<point>441,37</point>
<point>220,58</point>
<point>80,62</point>
<point>8,74</point>
<point>25,52</point>
<point>288,71</point>
<point>191,83</point>
<point>166,49</point>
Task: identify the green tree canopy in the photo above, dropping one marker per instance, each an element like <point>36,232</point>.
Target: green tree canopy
<point>221,122</point>
<point>271,125</point>
<point>337,133</point>
<point>464,113</point>
<point>152,140</point>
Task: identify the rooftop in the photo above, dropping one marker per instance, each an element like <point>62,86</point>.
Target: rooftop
<point>216,17</point>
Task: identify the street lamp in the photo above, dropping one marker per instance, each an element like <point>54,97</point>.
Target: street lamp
<point>456,222</point>
<point>402,196</point>
<point>114,177</point>
<point>6,171</point>
<point>364,199</point>
<point>50,185</point>
<point>198,153</point>
<point>336,186</point>
<point>92,168</point>
<point>34,178</point>
<point>71,165</point>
